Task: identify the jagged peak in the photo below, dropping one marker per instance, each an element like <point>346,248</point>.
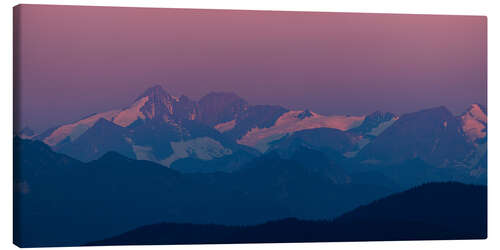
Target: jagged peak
<point>379,115</point>
<point>477,108</point>
<point>154,91</point>
<point>304,114</point>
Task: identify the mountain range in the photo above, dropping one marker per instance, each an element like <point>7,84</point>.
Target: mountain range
<point>223,127</point>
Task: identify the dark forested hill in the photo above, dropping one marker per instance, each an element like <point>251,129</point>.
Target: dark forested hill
<point>428,212</point>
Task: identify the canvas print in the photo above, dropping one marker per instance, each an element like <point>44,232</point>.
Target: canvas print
<point>141,126</point>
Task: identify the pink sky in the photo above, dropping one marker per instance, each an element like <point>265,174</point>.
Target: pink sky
<point>79,60</point>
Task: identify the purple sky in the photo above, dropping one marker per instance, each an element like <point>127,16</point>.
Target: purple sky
<point>80,60</point>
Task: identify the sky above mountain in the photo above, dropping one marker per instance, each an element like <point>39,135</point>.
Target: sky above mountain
<point>74,61</point>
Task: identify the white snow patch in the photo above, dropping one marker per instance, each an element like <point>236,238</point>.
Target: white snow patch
<point>131,114</point>
<point>26,136</point>
<point>361,144</point>
<point>144,153</point>
<point>382,127</point>
<point>120,117</point>
<point>76,129</point>
<point>289,123</point>
<point>473,123</point>
<point>222,127</point>
<point>264,144</point>
<point>204,148</point>
<point>350,154</point>
<point>374,132</point>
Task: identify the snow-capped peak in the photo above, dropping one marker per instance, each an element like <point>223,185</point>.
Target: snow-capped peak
<point>155,91</point>
<point>474,122</point>
<point>154,103</point>
<point>131,114</point>
<point>297,120</point>
<point>74,130</point>
<point>477,111</point>
<point>162,106</point>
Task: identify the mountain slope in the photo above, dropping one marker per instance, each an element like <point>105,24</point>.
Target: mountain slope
<point>227,163</point>
<point>428,212</point>
<point>101,138</point>
<point>320,139</point>
<point>220,107</point>
<point>255,117</point>
<point>432,135</point>
<point>372,123</point>
<point>74,130</point>
<point>293,121</point>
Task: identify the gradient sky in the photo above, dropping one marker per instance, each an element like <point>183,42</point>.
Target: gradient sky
<point>75,61</point>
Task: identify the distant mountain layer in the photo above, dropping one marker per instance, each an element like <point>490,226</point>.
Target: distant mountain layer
<point>60,201</point>
<point>437,211</point>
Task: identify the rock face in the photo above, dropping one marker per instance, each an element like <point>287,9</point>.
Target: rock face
<point>220,107</point>
<point>373,121</point>
<point>162,106</point>
<point>93,144</point>
<point>433,135</point>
